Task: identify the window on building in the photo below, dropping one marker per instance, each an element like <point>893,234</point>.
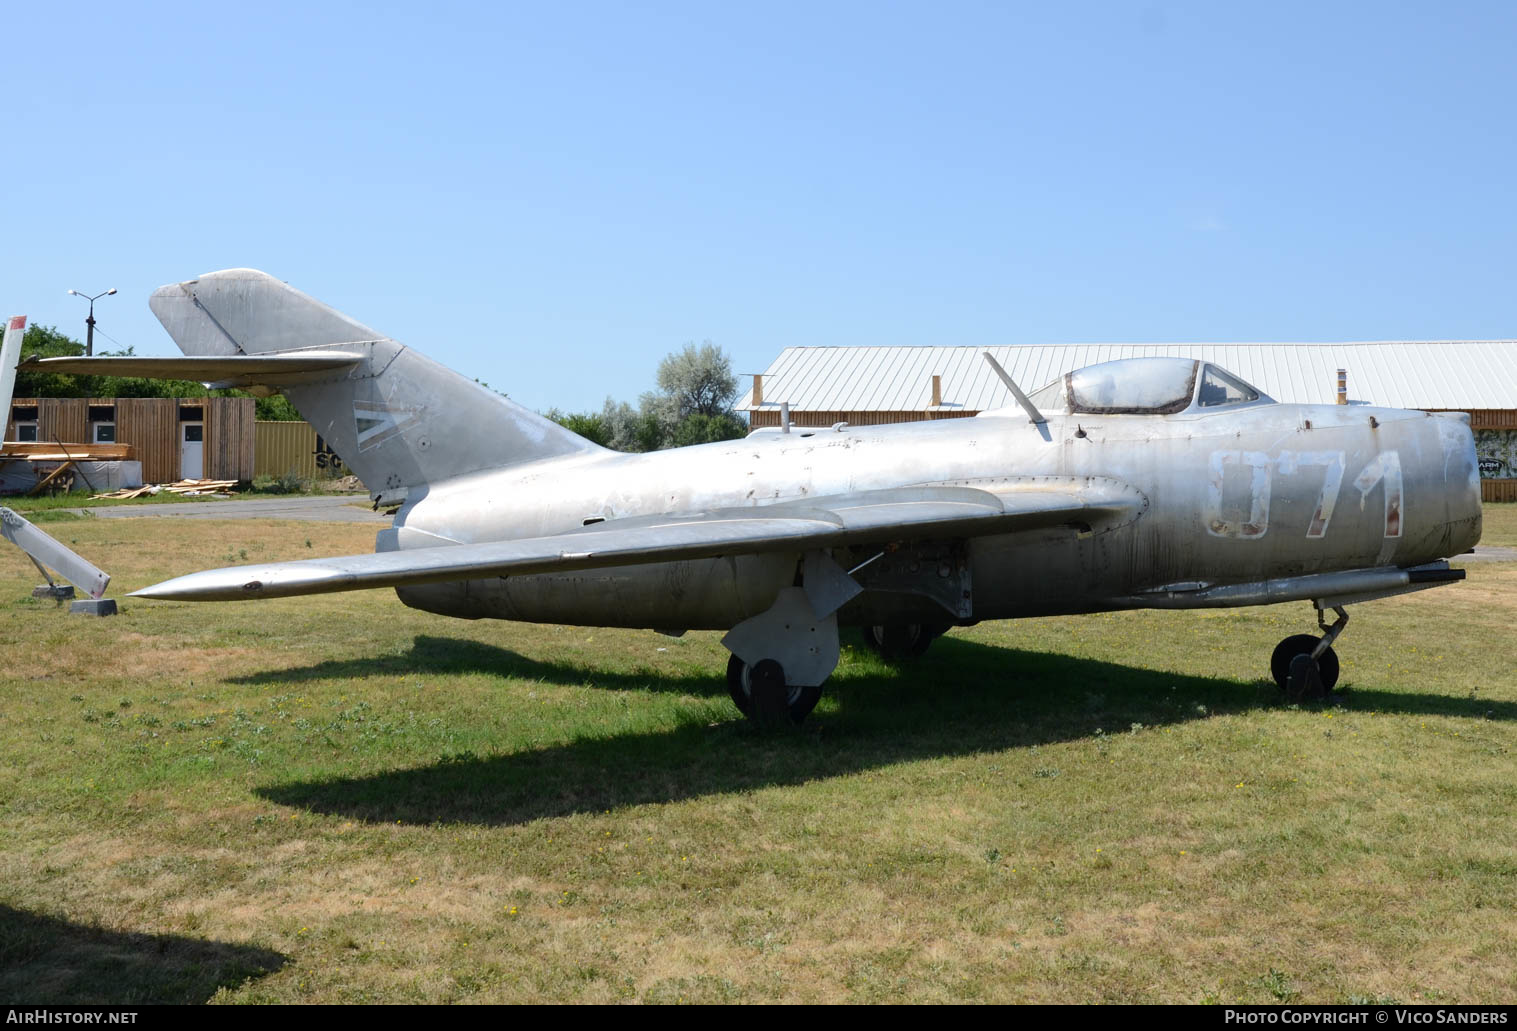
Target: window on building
<point>104,433</point>
<point>26,432</point>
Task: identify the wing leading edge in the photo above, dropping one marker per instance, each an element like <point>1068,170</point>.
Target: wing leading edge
<point>868,517</point>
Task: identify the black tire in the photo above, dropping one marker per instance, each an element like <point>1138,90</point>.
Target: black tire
<point>801,699</point>
<point>933,631</point>
<point>896,642</point>
<point>1303,644</point>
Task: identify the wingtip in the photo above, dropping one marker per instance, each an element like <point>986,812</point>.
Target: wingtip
<point>182,588</point>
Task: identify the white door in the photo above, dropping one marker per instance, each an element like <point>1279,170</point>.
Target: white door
<point>191,450</point>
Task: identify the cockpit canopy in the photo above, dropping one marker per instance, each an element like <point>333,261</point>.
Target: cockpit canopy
<point>1146,386</point>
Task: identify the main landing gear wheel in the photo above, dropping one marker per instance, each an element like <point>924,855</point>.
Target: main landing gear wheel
<point>760,692</point>
<point>894,642</point>
<point>1291,665</point>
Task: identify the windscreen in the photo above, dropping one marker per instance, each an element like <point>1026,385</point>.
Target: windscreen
<point>1222,388</point>
<point>1049,398</point>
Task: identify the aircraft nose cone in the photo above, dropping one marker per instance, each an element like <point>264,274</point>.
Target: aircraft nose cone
<point>1461,479</point>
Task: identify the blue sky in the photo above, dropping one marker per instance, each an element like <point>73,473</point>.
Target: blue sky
<point>551,197</point>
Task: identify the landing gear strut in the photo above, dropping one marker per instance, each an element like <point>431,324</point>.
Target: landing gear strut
<point>1306,667</point>
<point>781,657</point>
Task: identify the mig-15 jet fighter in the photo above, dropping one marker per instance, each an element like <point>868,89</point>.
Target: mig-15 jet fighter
<point>1140,483</point>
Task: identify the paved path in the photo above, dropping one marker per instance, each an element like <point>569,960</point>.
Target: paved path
<point>322,508</point>
<point>1485,554</point>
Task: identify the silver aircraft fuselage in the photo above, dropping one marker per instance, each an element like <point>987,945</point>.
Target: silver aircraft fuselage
<point>1158,482</point>
<point>1251,495</point>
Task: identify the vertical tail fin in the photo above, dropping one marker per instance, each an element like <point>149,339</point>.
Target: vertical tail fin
<point>397,419</point>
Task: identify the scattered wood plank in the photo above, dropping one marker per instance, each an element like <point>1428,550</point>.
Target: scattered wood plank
<point>178,487</point>
<point>124,493</point>
<point>49,478</point>
<point>185,486</point>
<point>52,451</point>
<point>58,456</point>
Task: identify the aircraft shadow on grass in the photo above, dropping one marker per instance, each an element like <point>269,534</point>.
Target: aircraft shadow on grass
<point>446,655</point>
<point>48,961</point>
<point>963,698</point>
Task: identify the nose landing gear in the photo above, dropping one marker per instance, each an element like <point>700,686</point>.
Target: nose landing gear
<point>1306,667</point>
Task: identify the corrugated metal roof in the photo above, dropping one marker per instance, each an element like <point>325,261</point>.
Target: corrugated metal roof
<point>1458,374</point>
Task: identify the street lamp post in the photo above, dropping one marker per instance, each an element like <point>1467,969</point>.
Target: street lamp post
<point>89,323</point>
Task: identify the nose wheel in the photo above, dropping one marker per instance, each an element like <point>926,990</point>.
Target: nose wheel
<point>1306,667</point>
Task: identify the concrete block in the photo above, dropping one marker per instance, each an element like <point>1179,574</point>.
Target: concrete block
<point>93,607</point>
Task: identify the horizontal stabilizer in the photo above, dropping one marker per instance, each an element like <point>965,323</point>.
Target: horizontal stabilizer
<point>863,518</point>
<point>218,371</point>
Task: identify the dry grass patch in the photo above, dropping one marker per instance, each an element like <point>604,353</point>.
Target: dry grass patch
<point>1499,526</point>
<point>338,799</point>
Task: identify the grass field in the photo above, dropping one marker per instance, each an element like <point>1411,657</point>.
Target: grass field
<point>64,507</point>
<point>338,799</point>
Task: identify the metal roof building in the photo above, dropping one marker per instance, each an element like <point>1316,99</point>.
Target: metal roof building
<point>873,385</point>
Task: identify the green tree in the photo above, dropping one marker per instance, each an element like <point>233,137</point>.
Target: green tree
<point>617,426</point>
<point>698,380</point>
<point>630,429</point>
<point>47,342</point>
<point>693,405</point>
<point>697,428</point>
<point>274,408</point>
<point>586,424</point>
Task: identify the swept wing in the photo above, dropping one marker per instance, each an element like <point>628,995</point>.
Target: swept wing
<point>866,517</point>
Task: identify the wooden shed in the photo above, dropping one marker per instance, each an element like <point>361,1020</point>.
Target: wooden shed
<point>173,437</point>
